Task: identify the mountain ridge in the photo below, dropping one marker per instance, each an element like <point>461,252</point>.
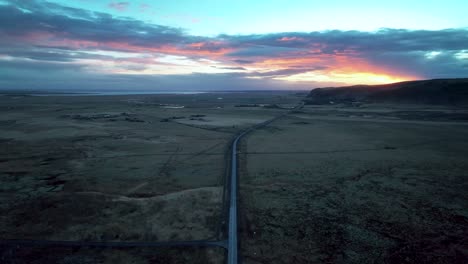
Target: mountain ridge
<point>434,91</point>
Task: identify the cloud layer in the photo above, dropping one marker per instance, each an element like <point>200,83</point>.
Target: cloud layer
<point>38,38</point>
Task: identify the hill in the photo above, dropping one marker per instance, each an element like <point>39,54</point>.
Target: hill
<point>437,91</point>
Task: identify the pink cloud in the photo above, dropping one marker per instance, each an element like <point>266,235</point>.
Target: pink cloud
<point>286,39</point>
<point>119,6</point>
<point>210,49</point>
<point>344,62</point>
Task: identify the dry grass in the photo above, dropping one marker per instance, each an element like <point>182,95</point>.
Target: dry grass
<point>317,189</point>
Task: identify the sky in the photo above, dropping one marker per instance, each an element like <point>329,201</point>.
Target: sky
<point>188,45</point>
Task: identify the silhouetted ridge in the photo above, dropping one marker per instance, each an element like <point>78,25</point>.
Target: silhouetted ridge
<point>438,91</point>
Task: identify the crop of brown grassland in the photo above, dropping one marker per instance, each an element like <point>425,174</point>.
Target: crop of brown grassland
<point>332,183</point>
<point>120,168</point>
<point>357,184</point>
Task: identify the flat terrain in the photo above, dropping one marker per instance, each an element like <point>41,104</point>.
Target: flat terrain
<point>373,183</point>
<point>64,255</point>
<point>120,168</point>
<point>369,184</point>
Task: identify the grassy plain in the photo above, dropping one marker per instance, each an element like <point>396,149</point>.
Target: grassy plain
<point>368,184</point>
<point>371,183</point>
<point>120,168</point>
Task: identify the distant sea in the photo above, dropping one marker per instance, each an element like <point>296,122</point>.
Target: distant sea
<point>97,93</point>
<point>93,93</point>
<point>16,93</point>
<point>112,93</point>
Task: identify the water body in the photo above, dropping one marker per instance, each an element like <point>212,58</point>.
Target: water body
<point>94,93</point>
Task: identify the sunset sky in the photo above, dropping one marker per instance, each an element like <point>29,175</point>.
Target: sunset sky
<point>228,45</point>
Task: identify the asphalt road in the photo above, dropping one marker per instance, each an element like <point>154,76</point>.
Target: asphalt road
<point>232,226</point>
<point>232,241</point>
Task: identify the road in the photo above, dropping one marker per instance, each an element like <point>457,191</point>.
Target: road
<point>232,241</point>
<point>234,180</point>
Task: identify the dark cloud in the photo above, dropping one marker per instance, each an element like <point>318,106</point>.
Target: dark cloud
<point>48,54</point>
<point>383,40</point>
<point>38,66</point>
<point>263,51</point>
<point>76,24</point>
<point>95,82</point>
<point>285,72</point>
<point>243,61</point>
<point>133,67</point>
<point>230,68</point>
<point>443,65</point>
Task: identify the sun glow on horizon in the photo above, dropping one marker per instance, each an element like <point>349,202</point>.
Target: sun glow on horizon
<point>351,78</point>
<point>97,42</point>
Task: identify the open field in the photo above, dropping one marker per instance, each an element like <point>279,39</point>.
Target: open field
<point>120,168</point>
<point>40,255</point>
<point>326,184</point>
<point>373,184</point>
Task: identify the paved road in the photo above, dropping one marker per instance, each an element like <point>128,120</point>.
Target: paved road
<point>232,229</point>
<point>232,242</point>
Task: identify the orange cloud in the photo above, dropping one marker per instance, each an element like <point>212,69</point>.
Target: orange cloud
<point>338,67</point>
<point>347,66</point>
<point>211,50</point>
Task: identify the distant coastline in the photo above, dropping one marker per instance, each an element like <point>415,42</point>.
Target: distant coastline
<point>24,93</point>
<point>91,93</point>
